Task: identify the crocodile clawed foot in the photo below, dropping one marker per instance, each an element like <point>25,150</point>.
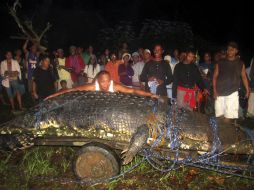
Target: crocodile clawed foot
<point>127,156</point>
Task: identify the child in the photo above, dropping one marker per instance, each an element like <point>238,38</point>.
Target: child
<point>63,84</point>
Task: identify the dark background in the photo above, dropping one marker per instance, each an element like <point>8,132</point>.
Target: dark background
<point>78,22</point>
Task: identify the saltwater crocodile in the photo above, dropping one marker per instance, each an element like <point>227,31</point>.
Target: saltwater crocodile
<point>117,117</point>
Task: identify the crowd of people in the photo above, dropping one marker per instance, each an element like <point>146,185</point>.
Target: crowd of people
<point>180,77</point>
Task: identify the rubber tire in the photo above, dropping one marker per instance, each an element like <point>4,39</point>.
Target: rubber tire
<point>103,162</point>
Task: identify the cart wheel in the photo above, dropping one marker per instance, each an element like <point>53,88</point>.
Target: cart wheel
<point>94,161</point>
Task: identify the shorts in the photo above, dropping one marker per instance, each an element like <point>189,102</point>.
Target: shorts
<point>251,104</point>
<point>227,106</point>
<point>14,88</point>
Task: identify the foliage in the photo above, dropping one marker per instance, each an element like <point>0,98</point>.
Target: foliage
<point>169,34</point>
<point>37,162</point>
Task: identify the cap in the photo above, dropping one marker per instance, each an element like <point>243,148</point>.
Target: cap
<point>147,51</point>
<point>126,54</point>
<point>135,54</point>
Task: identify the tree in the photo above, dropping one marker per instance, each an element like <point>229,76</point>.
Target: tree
<point>26,27</point>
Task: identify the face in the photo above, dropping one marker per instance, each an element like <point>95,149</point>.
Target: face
<point>176,53</point>
<point>73,51</point>
<point>33,49</point>
<point>8,55</point>
<point>64,85</point>
<point>207,58</point>
<point>90,49</point>
<point>182,56</point>
<point>140,51</point>
<point>190,57</point>
<point>125,46</point>
<point>147,56</point>
<point>93,60</point>
<point>231,52</point>
<point>157,51</point>
<point>18,52</point>
<point>46,62</point>
<point>135,58</point>
<point>126,59</point>
<point>113,57</point>
<point>60,54</point>
<point>80,50</point>
<point>104,82</point>
<point>106,51</point>
<point>217,56</point>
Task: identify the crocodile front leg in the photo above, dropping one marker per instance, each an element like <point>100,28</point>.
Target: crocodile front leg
<point>137,142</point>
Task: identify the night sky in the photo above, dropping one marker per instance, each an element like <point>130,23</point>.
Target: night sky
<point>215,21</point>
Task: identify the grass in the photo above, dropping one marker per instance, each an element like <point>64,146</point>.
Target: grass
<point>19,171</point>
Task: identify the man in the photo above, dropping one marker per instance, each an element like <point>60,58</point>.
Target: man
<point>137,68</point>
<point>44,80</point>
<point>226,82</point>
<point>157,73</point>
<point>106,84</point>
<point>186,76</point>
<point>31,63</point>
<point>112,67</point>
<point>76,65</point>
<point>11,73</point>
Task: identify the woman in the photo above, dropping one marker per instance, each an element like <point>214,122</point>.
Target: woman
<point>92,69</point>
<point>125,71</point>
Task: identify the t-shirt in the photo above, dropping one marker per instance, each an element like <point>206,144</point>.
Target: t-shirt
<point>229,76</point>
<point>44,80</point>
<point>160,70</point>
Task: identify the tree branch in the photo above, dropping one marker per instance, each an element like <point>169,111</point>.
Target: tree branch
<point>45,30</point>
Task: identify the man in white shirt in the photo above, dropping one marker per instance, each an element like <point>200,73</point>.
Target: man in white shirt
<point>10,71</point>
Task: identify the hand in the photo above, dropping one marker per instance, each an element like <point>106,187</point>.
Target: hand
<point>155,96</point>
<point>160,81</point>
<point>247,94</point>
<point>215,94</point>
<point>6,73</point>
<point>151,78</point>
<point>35,95</point>
<point>206,92</point>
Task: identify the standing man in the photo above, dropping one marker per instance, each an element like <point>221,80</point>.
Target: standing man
<point>186,77</point>
<point>31,64</point>
<point>226,82</point>
<point>44,80</point>
<point>11,73</point>
<point>157,72</point>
